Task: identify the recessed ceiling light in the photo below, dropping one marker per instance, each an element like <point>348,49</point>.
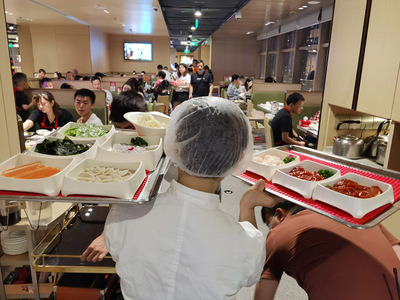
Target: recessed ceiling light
<point>106,11</point>
<point>197,12</point>
<point>249,32</point>
<point>313,2</point>
<point>190,35</point>
<point>304,6</point>
<point>300,8</point>
<point>269,23</point>
<point>193,27</point>
<point>11,27</point>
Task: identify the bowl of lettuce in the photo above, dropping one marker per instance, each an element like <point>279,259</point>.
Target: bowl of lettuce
<point>77,131</point>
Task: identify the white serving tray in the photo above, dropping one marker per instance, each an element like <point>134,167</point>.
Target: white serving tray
<point>357,207</point>
<point>148,131</point>
<point>91,153</point>
<point>49,186</point>
<point>268,171</point>
<point>124,189</point>
<point>101,139</point>
<point>303,187</point>
<point>149,158</point>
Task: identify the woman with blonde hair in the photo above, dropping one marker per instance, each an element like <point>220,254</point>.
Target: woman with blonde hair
<point>48,114</point>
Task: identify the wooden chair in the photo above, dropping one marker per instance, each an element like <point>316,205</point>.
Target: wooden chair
<point>269,135</point>
<point>164,100</point>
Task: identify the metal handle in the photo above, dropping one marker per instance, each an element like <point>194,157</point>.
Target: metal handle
<point>381,125</point>
<point>348,122</point>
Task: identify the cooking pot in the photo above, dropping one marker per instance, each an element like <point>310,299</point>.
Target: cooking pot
<point>371,143</point>
<point>381,152</point>
<point>349,146</point>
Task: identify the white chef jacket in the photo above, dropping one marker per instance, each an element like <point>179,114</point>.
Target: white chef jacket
<point>182,246</point>
<point>93,119</point>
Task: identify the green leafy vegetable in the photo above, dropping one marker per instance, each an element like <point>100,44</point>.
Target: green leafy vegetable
<point>289,159</point>
<point>326,173</point>
<point>89,131</point>
<point>60,147</point>
<point>138,141</point>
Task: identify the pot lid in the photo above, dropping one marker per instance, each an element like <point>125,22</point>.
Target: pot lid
<point>349,137</point>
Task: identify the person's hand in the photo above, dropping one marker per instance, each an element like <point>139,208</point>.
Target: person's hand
<point>302,143</point>
<point>80,120</point>
<point>190,96</point>
<point>255,196</point>
<point>96,250</point>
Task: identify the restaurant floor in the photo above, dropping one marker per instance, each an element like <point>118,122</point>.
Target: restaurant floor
<point>232,190</point>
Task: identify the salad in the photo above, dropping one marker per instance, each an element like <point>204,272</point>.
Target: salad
<point>86,131</point>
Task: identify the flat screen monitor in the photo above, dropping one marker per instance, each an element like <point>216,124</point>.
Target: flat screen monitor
<point>138,51</point>
<point>186,59</point>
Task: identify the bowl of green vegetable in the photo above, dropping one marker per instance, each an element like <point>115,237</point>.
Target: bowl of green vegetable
<point>56,147</point>
<point>125,147</point>
<point>265,163</point>
<point>304,176</point>
<point>78,132</point>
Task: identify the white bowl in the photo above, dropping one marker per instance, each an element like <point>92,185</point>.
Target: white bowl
<point>303,187</point>
<point>43,132</point>
<point>91,153</point>
<point>149,158</point>
<point>101,139</point>
<point>357,207</point>
<point>148,131</point>
<point>125,189</point>
<point>50,186</point>
<point>268,171</point>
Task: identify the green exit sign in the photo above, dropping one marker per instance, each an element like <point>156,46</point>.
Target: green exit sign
<point>186,51</point>
<point>194,44</point>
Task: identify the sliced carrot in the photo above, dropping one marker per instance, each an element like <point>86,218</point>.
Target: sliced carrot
<point>32,171</point>
<point>43,173</point>
<point>20,167</point>
<point>21,171</point>
<point>29,172</point>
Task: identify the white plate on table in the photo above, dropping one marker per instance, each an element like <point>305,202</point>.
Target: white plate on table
<point>101,139</point>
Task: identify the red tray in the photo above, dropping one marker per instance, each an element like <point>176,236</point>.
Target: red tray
<point>277,189</point>
<point>15,193</point>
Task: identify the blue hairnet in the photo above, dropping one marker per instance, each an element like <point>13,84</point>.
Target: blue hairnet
<point>209,137</point>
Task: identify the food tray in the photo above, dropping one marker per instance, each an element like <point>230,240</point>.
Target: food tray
<point>49,186</point>
<point>149,158</point>
<point>303,187</point>
<point>91,153</point>
<point>268,171</point>
<point>357,207</point>
<point>148,131</point>
<point>345,166</point>
<point>146,192</point>
<point>101,139</point>
<point>125,189</point>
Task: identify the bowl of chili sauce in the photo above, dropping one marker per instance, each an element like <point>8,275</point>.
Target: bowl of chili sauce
<point>354,194</point>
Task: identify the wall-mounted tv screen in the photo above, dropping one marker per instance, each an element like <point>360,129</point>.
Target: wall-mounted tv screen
<point>186,59</point>
<point>138,51</point>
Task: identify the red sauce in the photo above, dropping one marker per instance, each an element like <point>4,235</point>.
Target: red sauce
<point>353,189</point>
<point>300,173</point>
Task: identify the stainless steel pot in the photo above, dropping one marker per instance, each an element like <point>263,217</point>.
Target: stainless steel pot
<point>371,142</point>
<point>373,152</point>
<point>348,145</point>
<point>381,153</point>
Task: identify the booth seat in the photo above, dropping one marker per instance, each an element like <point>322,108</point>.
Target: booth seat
<point>65,98</point>
<point>262,97</point>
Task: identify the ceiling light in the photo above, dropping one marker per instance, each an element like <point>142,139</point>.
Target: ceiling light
<point>197,12</point>
<point>11,27</point>
<point>26,19</point>
<point>190,35</point>
<point>193,27</point>
<point>249,32</point>
<point>304,6</point>
<point>269,23</point>
<point>313,2</point>
<point>106,11</point>
<point>300,8</point>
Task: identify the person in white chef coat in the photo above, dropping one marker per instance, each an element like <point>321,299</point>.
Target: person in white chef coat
<point>182,246</point>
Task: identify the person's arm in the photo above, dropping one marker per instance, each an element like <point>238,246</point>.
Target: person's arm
<point>28,124</point>
<point>266,289</point>
<point>288,140</point>
<point>28,106</point>
<point>96,250</point>
<point>253,197</point>
<point>211,89</point>
<point>295,134</point>
<point>190,91</point>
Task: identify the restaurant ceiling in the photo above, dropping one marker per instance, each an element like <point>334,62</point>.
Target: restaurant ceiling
<point>173,18</point>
